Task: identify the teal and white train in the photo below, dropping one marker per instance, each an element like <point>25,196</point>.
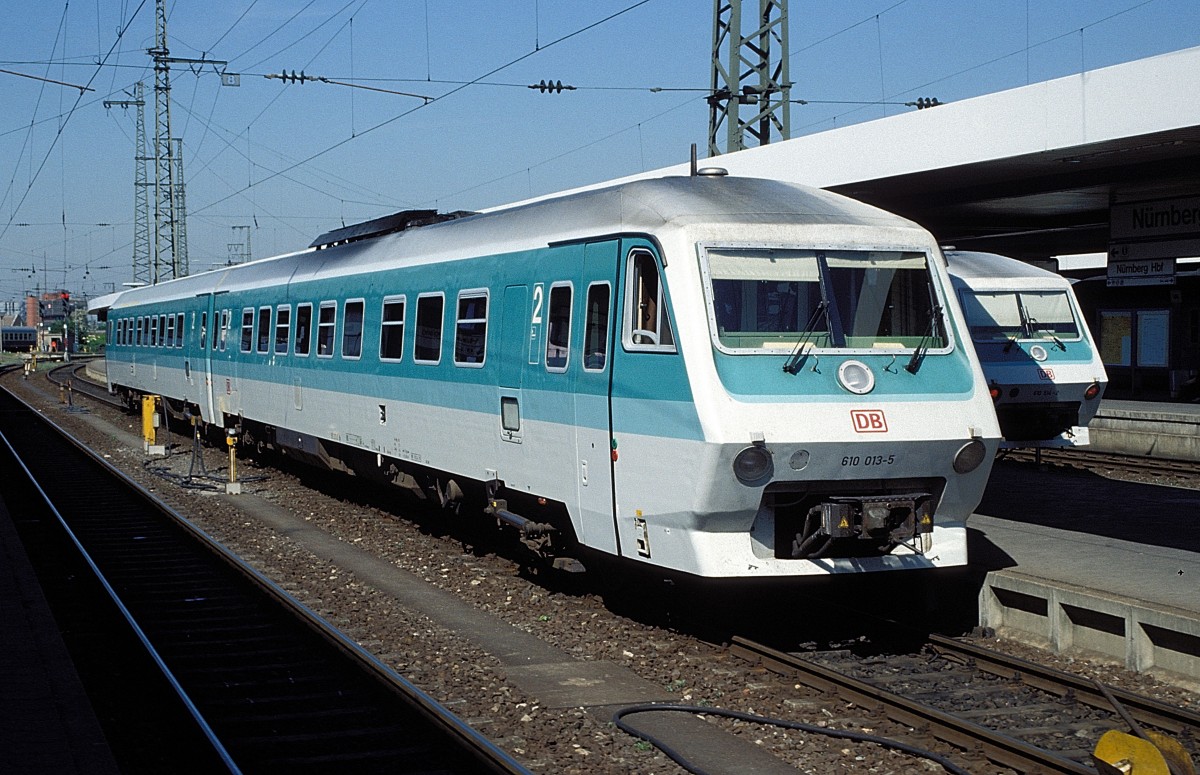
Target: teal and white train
<point>1042,366</point>
<point>722,376</point>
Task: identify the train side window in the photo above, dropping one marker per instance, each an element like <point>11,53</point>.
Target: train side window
<point>180,320</point>
<point>203,329</point>
<point>647,325</point>
<point>168,329</point>
<point>326,325</point>
<point>283,326</point>
<point>352,329</point>
<point>470,328</point>
<point>138,330</point>
<point>427,342</point>
<point>558,331</point>
<point>153,331</point>
<point>225,316</point>
<point>247,329</point>
<point>264,329</point>
<point>303,329</point>
<point>391,329</point>
<point>595,331</point>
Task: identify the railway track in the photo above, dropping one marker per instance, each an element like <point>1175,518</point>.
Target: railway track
<point>1089,460</point>
<point>268,686</point>
<point>990,706</point>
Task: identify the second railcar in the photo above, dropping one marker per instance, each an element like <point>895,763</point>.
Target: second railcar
<point>716,375</point>
<point>1040,360</point>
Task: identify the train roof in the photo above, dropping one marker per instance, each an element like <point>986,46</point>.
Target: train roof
<point>990,271</point>
<point>652,206</point>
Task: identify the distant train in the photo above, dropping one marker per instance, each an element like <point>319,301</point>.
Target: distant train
<point>17,339</point>
<point>1042,366</point>
<point>727,377</point>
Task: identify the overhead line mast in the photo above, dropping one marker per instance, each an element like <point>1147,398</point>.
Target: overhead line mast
<point>753,73</point>
<point>170,258</point>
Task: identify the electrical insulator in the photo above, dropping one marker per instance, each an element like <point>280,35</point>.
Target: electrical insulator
<point>554,87</point>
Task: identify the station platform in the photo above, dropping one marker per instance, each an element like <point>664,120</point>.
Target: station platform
<point>46,721</point>
<point>1148,429</point>
<point>1074,560</point>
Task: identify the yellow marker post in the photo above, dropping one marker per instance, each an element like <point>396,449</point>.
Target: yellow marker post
<point>233,486</point>
<point>150,423</point>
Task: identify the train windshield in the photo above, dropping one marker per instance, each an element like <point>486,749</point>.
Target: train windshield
<point>1007,315</point>
<point>780,299</point>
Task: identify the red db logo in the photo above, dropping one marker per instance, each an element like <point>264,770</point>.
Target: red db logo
<point>1046,374</point>
<point>868,420</point>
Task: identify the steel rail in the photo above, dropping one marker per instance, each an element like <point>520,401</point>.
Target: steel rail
<point>965,735</point>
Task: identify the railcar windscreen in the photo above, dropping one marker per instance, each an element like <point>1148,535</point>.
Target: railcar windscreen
<point>774,299</point>
<point>1006,315</point>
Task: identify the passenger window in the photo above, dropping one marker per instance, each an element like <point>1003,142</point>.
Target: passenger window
<point>169,328</point>
<point>595,332</point>
<point>140,325</point>
<point>558,332</point>
<point>427,344</point>
<point>352,330</point>
<point>647,325</point>
<point>225,314</point>
<point>203,330</point>
<point>470,330</point>
<point>264,329</point>
<point>283,324</point>
<point>247,329</point>
<point>326,324</point>
<point>391,330</point>
<point>154,331</point>
<point>180,319</point>
<point>303,329</point>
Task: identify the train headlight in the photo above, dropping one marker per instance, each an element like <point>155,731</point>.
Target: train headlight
<point>969,456</point>
<point>753,466</point>
<point>856,377</point>
<point>1092,391</point>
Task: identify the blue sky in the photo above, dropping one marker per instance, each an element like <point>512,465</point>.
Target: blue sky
<point>290,161</point>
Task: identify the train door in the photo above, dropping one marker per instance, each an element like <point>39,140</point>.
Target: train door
<point>515,331</point>
<point>207,341</point>
<point>591,389</point>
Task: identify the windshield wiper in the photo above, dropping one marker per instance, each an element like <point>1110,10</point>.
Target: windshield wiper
<point>914,364</point>
<point>801,352</point>
<point>1037,327</point>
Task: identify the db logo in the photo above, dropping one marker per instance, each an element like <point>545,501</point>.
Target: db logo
<point>868,420</point>
<point>1046,374</point>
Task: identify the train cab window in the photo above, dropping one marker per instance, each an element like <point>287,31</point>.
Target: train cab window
<point>470,329</point>
<point>203,329</point>
<point>283,325</point>
<point>326,325</point>
<point>647,325</point>
<point>391,329</point>
<point>264,329</point>
<point>303,340</point>
<point>225,315</point>
<point>558,332</point>
<point>595,331</point>
<point>247,329</point>
<point>352,329</point>
<point>427,342</point>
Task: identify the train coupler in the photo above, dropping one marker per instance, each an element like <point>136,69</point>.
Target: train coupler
<point>886,520</point>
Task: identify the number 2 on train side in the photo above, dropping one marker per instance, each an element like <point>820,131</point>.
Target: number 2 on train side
<point>535,324</point>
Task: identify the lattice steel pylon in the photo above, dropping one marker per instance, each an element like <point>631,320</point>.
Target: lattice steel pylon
<point>141,187</point>
<point>754,73</point>
<point>170,249</point>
